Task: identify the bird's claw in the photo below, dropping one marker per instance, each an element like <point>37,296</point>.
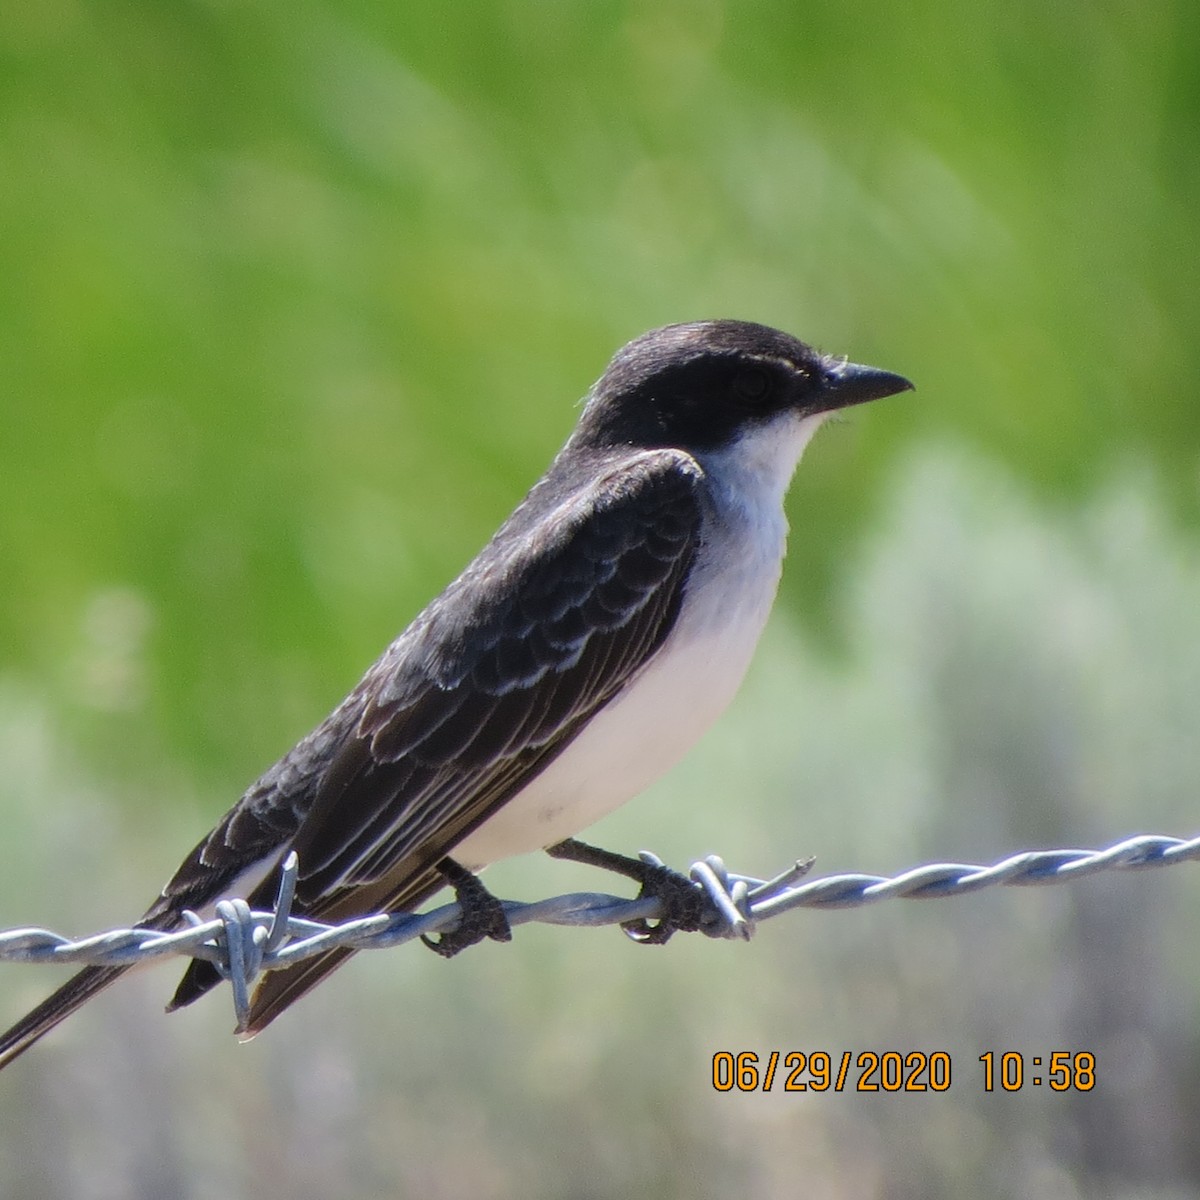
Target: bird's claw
<point>687,904</point>
<point>684,905</point>
<point>481,915</point>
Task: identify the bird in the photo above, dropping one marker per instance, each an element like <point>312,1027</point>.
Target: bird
<point>578,657</point>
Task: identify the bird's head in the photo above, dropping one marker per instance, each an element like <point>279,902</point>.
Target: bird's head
<point>700,386</point>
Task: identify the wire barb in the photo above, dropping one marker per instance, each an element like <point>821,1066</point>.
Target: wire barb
<point>243,943</point>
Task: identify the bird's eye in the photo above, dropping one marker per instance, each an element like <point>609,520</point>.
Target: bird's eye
<point>752,385</point>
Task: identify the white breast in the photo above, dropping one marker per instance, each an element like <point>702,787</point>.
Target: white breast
<point>649,727</point>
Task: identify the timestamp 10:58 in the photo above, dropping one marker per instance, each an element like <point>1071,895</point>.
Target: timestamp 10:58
<point>1064,1071</point>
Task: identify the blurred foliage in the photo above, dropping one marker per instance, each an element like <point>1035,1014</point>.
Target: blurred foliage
<point>298,299</point>
<point>298,296</point>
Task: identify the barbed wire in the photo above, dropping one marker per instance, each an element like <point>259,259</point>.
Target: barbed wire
<point>242,942</point>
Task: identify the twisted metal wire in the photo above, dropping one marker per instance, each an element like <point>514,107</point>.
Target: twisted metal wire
<point>243,943</point>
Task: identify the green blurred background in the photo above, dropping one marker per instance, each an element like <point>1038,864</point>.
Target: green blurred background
<point>297,301</point>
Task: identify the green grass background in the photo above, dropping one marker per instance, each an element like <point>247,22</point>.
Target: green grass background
<point>297,300</point>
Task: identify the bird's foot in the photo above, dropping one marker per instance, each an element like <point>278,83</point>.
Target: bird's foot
<point>482,915</point>
<point>685,904</point>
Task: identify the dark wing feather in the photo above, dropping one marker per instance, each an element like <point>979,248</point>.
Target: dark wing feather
<point>460,714</point>
<point>555,629</point>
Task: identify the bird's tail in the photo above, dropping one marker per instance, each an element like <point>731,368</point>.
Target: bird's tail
<point>281,989</point>
<point>78,990</point>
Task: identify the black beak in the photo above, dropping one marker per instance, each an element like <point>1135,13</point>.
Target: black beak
<point>849,383</point>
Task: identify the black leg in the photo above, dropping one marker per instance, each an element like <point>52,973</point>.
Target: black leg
<point>482,914</point>
<point>684,902</point>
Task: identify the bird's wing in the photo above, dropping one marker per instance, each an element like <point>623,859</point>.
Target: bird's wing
<point>487,686</point>
<point>498,676</point>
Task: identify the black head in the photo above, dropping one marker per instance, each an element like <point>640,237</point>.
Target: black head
<point>697,386</point>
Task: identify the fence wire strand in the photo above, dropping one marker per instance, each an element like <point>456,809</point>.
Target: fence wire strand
<point>243,942</point>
